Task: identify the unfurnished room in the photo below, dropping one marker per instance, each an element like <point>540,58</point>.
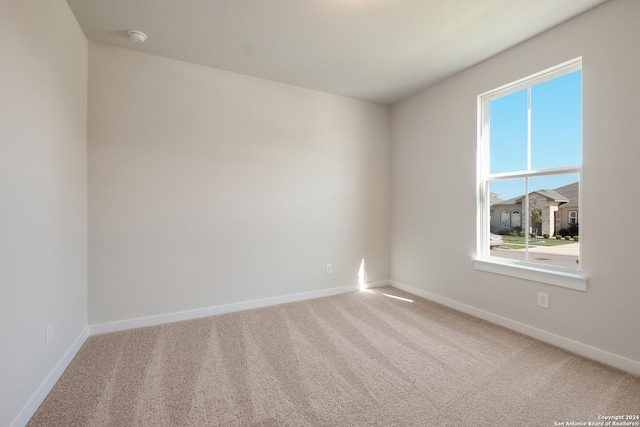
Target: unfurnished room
<point>319,213</point>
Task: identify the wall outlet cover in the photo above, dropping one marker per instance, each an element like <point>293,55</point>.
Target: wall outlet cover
<point>49,333</point>
<point>543,300</point>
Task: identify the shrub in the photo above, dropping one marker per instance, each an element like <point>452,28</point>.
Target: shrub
<point>558,237</point>
<point>515,231</point>
<point>533,235</point>
<point>563,232</point>
<point>521,233</point>
<point>567,237</point>
<point>545,235</point>
<point>576,238</point>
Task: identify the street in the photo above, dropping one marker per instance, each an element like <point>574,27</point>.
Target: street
<point>563,256</point>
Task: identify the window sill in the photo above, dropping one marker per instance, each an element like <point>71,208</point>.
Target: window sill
<point>563,279</point>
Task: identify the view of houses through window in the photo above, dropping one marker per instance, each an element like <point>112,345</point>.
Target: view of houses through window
<point>531,176</point>
<point>552,232</point>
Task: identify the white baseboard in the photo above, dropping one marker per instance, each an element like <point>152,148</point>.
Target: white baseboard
<point>38,397</point>
<point>378,284</point>
<point>573,346</point>
<point>221,309</point>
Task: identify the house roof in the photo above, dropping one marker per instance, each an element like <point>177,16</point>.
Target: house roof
<point>572,192</point>
<point>495,199</point>
<point>549,194</point>
<point>506,202</point>
<point>567,196</point>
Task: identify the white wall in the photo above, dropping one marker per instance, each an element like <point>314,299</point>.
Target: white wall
<point>434,166</point>
<point>43,193</point>
<point>208,187</point>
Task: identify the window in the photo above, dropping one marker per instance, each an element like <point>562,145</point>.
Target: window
<point>515,220</point>
<point>529,169</point>
<point>505,219</point>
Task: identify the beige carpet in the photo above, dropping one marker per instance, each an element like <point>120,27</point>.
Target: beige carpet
<point>356,359</point>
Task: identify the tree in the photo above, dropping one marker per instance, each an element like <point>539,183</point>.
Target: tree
<point>535,213</point>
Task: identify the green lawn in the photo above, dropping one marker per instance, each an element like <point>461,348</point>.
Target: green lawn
<point>513,242</point>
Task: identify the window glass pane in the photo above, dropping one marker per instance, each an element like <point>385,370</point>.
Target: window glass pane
<point>508,127</point>
<point>552,200</point>
<point>506,219</point>
<point>556,122</point>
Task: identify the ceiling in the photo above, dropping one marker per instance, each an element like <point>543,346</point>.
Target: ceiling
<point>376,50</point>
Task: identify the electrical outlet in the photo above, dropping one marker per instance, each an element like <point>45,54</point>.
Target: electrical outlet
<point>543,300</point>
<point>329,269</point>
<point>49,333</point>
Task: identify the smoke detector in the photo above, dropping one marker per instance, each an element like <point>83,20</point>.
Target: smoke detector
<point>137,36</point>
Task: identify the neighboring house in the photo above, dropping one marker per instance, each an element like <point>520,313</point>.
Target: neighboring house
<point>559,209</point>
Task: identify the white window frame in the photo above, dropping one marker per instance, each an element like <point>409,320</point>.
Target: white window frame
<point>574,217</point>
<point>483,261</point>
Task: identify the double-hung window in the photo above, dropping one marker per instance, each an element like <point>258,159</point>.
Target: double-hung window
<point>529,177</point>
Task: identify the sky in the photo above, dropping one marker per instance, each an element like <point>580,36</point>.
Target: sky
<point>556,134</point>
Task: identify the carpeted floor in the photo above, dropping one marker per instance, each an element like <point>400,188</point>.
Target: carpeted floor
<point>356,359</point>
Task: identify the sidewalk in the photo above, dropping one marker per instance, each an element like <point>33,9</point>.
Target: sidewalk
<point>571,249</point>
